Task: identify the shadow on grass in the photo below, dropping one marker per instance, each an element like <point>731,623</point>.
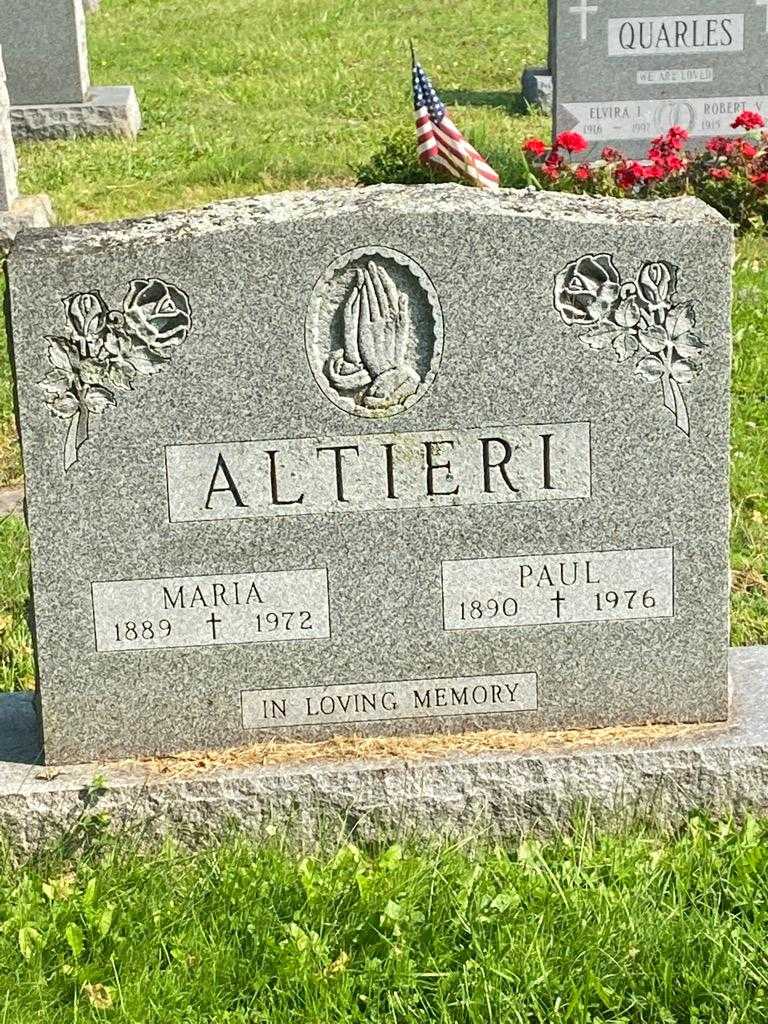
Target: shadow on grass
<point>511,103</point>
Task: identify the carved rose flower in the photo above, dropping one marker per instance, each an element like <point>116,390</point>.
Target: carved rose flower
<point>656,284</point>
<point>587,290</point>
<point>157,314</point>
<point>87,316</point>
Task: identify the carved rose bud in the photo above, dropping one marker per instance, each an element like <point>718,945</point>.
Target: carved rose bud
<point>87,316</point>
<point>587,290</point>
<point>157,314</point>
<point>657,283</point>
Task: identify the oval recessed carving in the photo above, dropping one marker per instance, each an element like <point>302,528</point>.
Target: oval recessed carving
<point>374,332</point>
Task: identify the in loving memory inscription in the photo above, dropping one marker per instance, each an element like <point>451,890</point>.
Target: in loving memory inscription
<point>457,559</point>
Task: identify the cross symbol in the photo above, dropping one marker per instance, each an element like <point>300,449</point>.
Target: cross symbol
<point>558,601</point>
<point>213,622</point>
<point>586,9</point>
<point>764,3</point>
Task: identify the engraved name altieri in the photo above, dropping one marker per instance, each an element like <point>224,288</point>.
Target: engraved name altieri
<point>424,469</point>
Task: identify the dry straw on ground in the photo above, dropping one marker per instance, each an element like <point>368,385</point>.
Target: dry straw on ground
<point>415,748</point>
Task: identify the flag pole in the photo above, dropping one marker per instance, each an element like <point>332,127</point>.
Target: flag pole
<point>413,55</point>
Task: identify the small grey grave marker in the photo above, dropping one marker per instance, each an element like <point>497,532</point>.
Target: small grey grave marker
<point>46,56</point>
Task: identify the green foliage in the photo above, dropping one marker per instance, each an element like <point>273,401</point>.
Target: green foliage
<point>592,927</point>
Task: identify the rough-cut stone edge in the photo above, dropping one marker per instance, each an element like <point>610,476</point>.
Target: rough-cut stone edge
<point>295,207</point>
<point>26,212</point>
<point>109,110</point>
<point>537,88</point>
<point>721,769</point>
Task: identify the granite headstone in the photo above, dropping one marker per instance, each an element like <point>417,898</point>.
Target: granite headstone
<point>46,58</point>
<point>15,212</point>
<point>375,461</point>
<point>625,71</point>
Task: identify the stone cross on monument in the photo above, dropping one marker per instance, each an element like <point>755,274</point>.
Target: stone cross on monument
<point>586,9</point>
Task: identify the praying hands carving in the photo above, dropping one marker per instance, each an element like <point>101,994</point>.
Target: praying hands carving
<point>373,362</point>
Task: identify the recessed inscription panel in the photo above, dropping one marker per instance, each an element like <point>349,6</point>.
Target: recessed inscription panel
<point>527,590</point>
<point>389,701</point>
<point>622,118</point>
<point>699,33</point>
<point>424,469</point>
<point>198,611</point>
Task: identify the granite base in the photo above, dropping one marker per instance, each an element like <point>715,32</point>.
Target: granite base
<point>663,774</point>
<point>109,110</point>
<point>27,212</point>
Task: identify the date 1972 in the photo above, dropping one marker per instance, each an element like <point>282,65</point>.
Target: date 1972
<point>201,611</point>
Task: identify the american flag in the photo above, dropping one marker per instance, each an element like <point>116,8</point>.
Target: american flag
<point>440,141</point>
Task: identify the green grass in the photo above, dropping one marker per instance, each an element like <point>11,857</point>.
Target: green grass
<point>591,928</point>
<point>247,96</point>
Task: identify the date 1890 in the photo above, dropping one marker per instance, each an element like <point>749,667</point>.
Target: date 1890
<point>200,611</point>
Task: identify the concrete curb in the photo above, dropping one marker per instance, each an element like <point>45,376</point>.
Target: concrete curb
<point>720,769</point>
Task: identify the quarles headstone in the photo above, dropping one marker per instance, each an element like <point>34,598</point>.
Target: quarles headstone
<point>46,58</point>
<point>375,461</point>
<point>625,71</point>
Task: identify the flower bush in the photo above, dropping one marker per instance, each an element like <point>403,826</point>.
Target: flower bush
<point>731,174</point>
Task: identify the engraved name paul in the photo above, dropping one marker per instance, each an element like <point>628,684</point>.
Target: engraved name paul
<point>425,469</point>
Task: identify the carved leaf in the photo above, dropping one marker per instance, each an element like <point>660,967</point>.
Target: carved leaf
<point>56,382</point>
<point>625,345</point>
<point>628,313</point>
<point>690,346</point>
<point>681,319</point>
<point>97,399</point>
<point>145,361</point>
<point>599,338</point>
<point>65,405</point>
<point>650,368</point>
<point>121,375</point>
<point>93,372</point>
<point>63,354</point>
<point>683,371</point>
<point>654,339</point>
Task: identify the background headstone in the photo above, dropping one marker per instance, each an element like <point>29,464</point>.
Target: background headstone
<point>15,211</point>
<point>625,71</point>
<point>46,56</point>
<point>316,463</point>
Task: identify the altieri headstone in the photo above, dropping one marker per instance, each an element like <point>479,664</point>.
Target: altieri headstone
<point>375,461</point>
<point>46,58</point>
<point>626,71</point>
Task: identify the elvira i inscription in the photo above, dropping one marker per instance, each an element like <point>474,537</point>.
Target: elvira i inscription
<point>378,485</point>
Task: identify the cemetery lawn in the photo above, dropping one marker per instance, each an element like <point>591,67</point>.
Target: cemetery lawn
<point>633,927</point>
<point>250,96</point>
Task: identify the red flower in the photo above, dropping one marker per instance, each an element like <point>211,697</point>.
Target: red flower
<point>760,179</point>
<point>627,175</point>
<point>748,119</point>
<point>535,147</point>
<point>583,173</point>
<point>571,141</point>
<point>720,173</point>
<point>551,171</point>
<point>748,150</point>
<point>674,163</point>
<point>721,146</point>
<point>610,155</point>
<point>655,153</point>
<point>677,136</point>
<point>655,172</point>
